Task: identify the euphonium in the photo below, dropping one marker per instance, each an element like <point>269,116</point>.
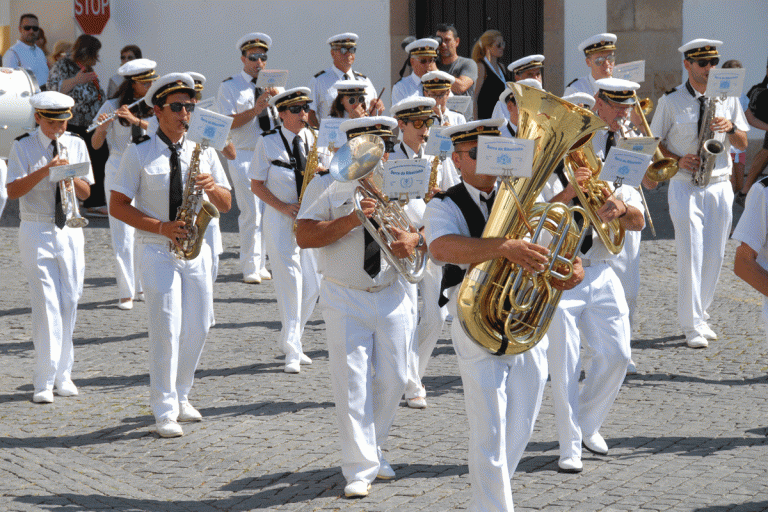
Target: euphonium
<point>356,161</point>
<point>662,168</point>
<point>504,308</point>
<point>709,146</point>
<point>194,211</point>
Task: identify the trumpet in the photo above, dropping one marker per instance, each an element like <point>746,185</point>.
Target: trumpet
<point>357,160</point>
<point>68,196</point>
<point>111,116</point>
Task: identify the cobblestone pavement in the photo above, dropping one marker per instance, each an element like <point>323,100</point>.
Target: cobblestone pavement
<point>687,433</point>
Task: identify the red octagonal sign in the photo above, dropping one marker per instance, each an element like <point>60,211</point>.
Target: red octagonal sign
<point>92,15</point>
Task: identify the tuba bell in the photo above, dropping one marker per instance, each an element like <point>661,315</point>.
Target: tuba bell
<point>357,160</point>
<point>504,308</point>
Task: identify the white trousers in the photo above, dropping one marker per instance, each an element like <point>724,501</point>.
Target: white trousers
<point>627,268</point>
<point>297,283</point>
<point>702,218</point>
<point>431,318</point>
<point>251,211</point>
<point>368,335</point>
<point>178,295</point>
<point>597,309</point>
<point>502,396</point>
<point>54,264</point>
<point>123,242</point>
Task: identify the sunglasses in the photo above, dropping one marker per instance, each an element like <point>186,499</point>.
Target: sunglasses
<point>257,56</point>
<point>702,63</point>
<point>418,123</point>
<point>295,109</point>
<point>426,60</point>
<point>472,152</point>
<point>352,99</point>
<point>177,106</point>
<point>344,50</point>
<point>31,27</point>
<point>600,60</point>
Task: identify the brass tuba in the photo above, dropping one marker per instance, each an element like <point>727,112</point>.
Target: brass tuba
<point>357,160</point>
<point>504,308</point>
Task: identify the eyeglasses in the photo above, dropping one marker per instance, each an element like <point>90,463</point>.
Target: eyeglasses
<point>418,123</point>
<point>426,60</point>
<point>502,44</point>
<point>600,60</point>
<point>436,95</point>
<point>30,27</point>
<point>295,109</point>
<point>352,99</point>
<point>127,57</point>
<point>702,63</point>
<point>472,152</point>
<point>177,106</point>
<point>257,56</point>
<point>344,50</point>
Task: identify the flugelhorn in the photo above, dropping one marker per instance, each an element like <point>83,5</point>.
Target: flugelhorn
<point>68,195</point>
<point>111,116</point>
<point>357,160</point>
<point>501,306</point>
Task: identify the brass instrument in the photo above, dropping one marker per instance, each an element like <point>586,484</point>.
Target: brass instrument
<point>68,196</point>
<point>194,211</point>
<point>309,169</point>
<point>625,133</point>
<point>709,146</point>
<point>504,308</point>
<point>432,177</point>
<point>357,160</point>
<point>662,168</point>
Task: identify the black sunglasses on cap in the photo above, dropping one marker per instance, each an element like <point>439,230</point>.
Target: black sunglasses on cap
<point>257,56</point>
<point>702,63</point>
<point>295,109</point>
<point>31,27</point>
<point>472,152</point>
<point>177,106</point>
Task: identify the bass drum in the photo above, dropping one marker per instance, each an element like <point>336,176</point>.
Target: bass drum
<point>16,113</point>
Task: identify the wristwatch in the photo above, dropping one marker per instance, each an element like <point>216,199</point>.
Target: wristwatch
<point>732,130</point>
<point>421,241</point>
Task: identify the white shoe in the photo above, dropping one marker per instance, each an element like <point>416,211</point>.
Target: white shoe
<point>631,367</point>
<point>570,465</point>
<point>707,333</point>
<point>188,413</point>
<point>292,367</point>
<point>357,489</point>
<point>305,359</point>
<point>169,428</point>
<point>596,444</point>
<point>252,278</point>
<point>128,304</point>
<point>265,275</point>
<point>417,402</point>
<point>385,471</point>
<point>66,388</point>
<point>139,297</point>
<point>43,397</point>
<point>697,341</point>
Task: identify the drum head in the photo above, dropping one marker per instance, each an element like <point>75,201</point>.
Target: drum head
<point>16,113</point>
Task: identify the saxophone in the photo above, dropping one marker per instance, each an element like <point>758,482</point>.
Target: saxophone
<point>194,211</point>
<point>432,178</point>
<point>709,147</point>
<point>309,169</point>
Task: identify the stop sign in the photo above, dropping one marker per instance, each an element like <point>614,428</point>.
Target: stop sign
<point>92,15</point>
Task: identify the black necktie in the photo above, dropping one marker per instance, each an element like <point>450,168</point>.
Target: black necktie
<point>610,141</point>
<point>702,106</point>
<point>346,77</point>
<point>489,201</point>
<point>264,123</point>
<point>60,219</point>
<point>176,190</point>
<point>300,156</point>
<point>372,255</point>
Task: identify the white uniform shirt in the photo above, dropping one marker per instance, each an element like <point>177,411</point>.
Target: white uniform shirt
<point>323,93</point>
<point>34,151</point>
<point>505,130</point>
<point>145,175</point>
<point>675,122</point>
<point>753,227</point>
<point>342,261</point>
<point>21,55</point>
<point>118,136</point>
<point>3,190</point>
<point>586,84</point>
<point>281,181</point>
<point>406,87</point>
<point>453,118</point>
<point>236,95</point>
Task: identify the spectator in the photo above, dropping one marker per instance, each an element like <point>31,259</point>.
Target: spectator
<point>25,53</point>
<point>464,69</point>
<point>738,156</point>
<point>42,42</point>
<point>491,77</point>
<point>60,49</point>
<point>757,116</point>
<point>127,54</point>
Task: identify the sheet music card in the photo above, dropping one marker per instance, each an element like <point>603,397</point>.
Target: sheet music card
<point>63,172</point>
<point>645,145</point>
<point>633,71</point>
<point>501,156</point>
<point>438,143</point>
<point>725,82</point>
<point>406,177</point>
<point>458,103</point>
<point>272,78</point>
<point>626,167</point>
<point>330,134</point>
<point>210,127</point>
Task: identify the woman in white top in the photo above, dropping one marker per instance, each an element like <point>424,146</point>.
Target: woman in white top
<point>126,126</point>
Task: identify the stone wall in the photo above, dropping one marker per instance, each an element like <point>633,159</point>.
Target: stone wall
<point>553,45</point>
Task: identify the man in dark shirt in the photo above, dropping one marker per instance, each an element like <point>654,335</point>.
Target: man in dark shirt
<point>464,69</point>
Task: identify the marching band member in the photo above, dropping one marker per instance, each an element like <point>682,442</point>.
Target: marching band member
<point>350,100</point>
<point>422,54</point>
<point>507,99</point>
<point>239,98</point>
<point>581,99</point>
<point>415,116</point>
<point>701,215</point>
<point>502,394</point>
<point>600,56</point>
<point>277,173</point>
<point>52,253</point>
<point>594,313</point>
<point>178,291</point>
<point>126,126</point>
<point>523,70</point>
<point>437,85</point>
<point>343,50</point>
<point>368,316</point>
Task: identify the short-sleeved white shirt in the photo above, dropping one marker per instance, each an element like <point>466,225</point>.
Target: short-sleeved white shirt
<point>236,94</point>
<point>406,87</point>
<point>118,136</point>
<point>323,93</point>
<point>753,227</point>
<point>586,84</point>
<point>281,181</point>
